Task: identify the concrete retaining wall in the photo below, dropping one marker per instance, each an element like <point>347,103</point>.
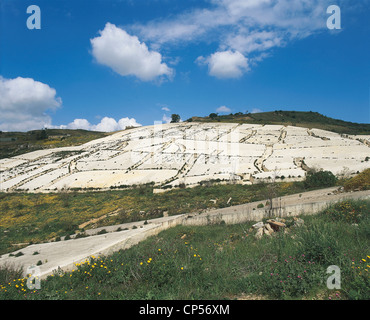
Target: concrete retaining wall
<point>249,213</point>
<point>230,215</point>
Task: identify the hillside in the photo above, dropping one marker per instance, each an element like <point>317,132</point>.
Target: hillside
<point>186,154</point>
<point>17,143</point>
<point>216,261</point>
<point>292,118</point>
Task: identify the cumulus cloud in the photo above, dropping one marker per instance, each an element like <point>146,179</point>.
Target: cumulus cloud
<point>106,124</point>
<point>24,103</point>
<point>223,109</point>
<point>225,64</point>
<point>127,56</point>
<point>78,124</point>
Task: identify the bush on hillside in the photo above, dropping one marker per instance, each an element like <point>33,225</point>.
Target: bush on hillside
<point>359,182</point>
<point>348,211</point>
<point>320,179</point>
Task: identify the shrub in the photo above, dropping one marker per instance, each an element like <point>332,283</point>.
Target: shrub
<point>348,211</point>
<point>320,179</point>
<point>360,181</point>
<point>9,273</point>
<point>81,235</point>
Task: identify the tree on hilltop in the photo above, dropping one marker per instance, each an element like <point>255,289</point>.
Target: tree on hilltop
<point>175,118</point>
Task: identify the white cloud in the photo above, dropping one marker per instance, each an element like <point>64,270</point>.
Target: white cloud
<point>166,109</point>
<point>106,124</point>
<point>166,119</point>
<point>127,56</point>
<point>225,64</point>
<point>78,124</point>
<point>256,110</point>
<point>250,27</point>
<point>252,41</point>
<point>24,103</point>
<point>223,109</point>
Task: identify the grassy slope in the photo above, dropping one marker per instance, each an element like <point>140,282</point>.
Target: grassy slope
<point>358,182</point>
<point>30,141</point>
<point>225,261</point>
<point>294,118</point>
<point>29,217</point>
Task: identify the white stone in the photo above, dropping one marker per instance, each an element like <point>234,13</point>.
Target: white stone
<point>190,153</point>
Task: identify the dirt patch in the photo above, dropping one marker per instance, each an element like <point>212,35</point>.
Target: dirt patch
<point>249,296</point>
<point>113,213</point>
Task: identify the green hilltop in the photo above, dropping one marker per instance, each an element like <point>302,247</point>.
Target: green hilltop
<point>16,143</point>
<point>305,119</point>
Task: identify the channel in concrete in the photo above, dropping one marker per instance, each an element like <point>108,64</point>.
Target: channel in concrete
<point>65,254</point>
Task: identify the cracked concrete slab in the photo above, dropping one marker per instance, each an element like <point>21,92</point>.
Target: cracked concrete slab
<point>186,153</point>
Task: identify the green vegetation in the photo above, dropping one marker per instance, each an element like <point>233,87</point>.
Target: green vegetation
<point>30,217</point>
<point>293,118</point>
<point>16,143</point>
<point>359,182</point>
<point>27,217</point>
<point>213,115</point>
<point>222,262</point>
<point>175,118</point>
<point>348,211</point>
<point>320,179</point>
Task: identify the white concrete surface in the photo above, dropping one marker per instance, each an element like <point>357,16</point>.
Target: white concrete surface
<point>193,152</point>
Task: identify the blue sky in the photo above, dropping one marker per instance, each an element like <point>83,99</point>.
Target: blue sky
<point>96,62</point>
